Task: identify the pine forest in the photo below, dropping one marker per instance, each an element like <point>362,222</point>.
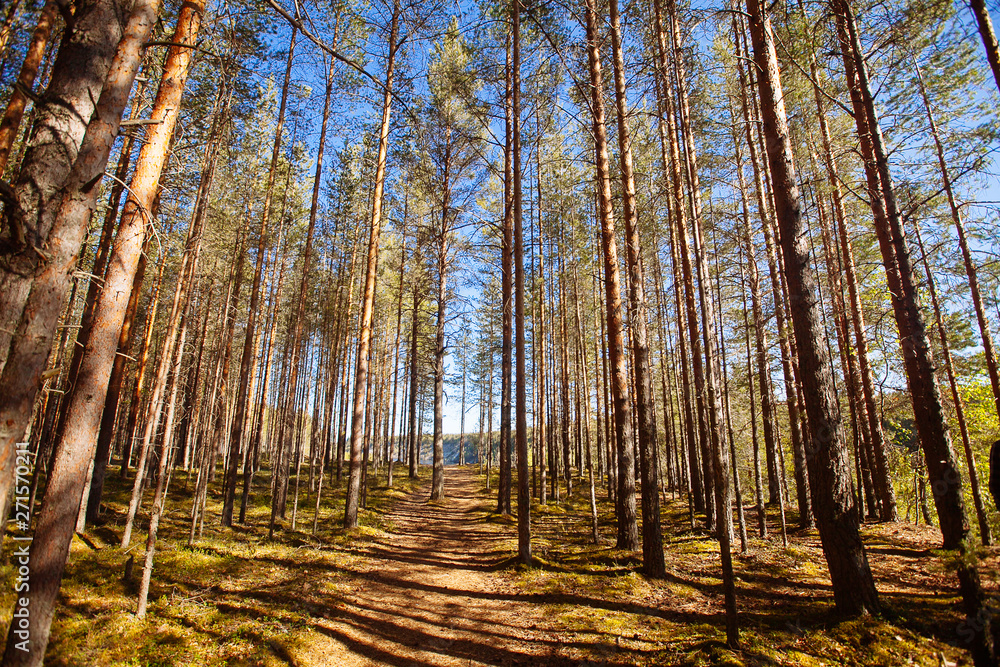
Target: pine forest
<point>540,332</point>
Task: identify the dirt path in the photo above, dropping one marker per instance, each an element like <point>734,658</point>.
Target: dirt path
<point>426,595</point>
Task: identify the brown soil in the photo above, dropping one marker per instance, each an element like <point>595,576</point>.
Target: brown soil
<point>425,595</point>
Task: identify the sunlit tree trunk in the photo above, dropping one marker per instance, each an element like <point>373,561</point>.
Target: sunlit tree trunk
<point>11,121</point>
<point>437,447</point>
<point>989,37</point>
<point>75,451</point>
<point>652,537</point>
<point>166,457</point>
<point>521,405</point>
<point>368,296</point>
<point>507,294</point>
<point>706,500</point>
<point>836,514</point>
<point>628,531</point>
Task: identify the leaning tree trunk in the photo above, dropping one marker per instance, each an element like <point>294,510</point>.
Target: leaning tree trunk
<point>829,469</point>
<point>75,450</point>
<point>989,37</point>
<point>11,121</point>
<point>963,427</point>
<point>78,76</point>
<point>963,242</point>
<point>942,468</point>
<point>67,105</point>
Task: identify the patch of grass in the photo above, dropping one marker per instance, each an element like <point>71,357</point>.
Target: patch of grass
<point>784,597</point>
<point>233,597</point>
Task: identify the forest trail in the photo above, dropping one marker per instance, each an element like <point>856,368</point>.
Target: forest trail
<point>423,593</point>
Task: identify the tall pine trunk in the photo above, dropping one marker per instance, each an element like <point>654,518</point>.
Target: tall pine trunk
<point>652,537</point>
<point>75,450</point>
<point>829,470</point>
<point>246,359</point>
<point>521,427</point>
<point>368,296</point>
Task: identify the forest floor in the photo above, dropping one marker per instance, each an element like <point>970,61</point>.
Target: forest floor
<point>435,583</point>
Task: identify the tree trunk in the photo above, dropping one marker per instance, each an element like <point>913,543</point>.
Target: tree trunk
<point>652,537</point>
<point>507,296</point>
<point>942,468</point>
<point>970,459</point>
<point>368,298</point>
<point>11,121</point>
<point>68,104</point>
<point>989,37</point>
<point>703,442</point>
<point>246,359</point>
<point>437,471</point>
<point>60,505</point>
<point>414,380</point>
<point>963,242</point>
<point>836,513</point>
<point>521,427</point>
<point>628,531</point>
<point>78,77</point>
<point>300,308</point>
<point>868,410</point>
<point>137,400</point>
<point>165,461</point>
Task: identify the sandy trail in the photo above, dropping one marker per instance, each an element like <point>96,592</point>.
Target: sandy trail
<point>426,595</point>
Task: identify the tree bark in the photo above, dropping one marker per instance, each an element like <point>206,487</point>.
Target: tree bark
<point>75,450</point>
<point>78,77</point>
<point>67,105</point>
<point>521,427</point>
<point>628,531</point>
<point>836,513</point>
<point>368,298</point>
<point>652,536</point>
